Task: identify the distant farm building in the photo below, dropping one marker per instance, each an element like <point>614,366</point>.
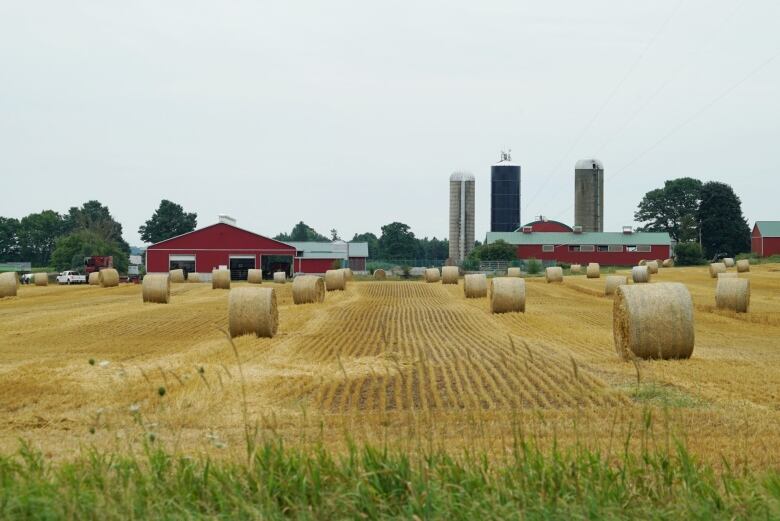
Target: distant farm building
<point>765,239</point>
<point>318,257</point>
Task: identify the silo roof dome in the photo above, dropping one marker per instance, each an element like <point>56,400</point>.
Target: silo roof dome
<point>587,164</point>
<point>461,176</point>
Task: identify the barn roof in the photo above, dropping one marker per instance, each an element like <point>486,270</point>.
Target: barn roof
<point>167,243</point>
<point>651,238</point>
<point>768,228</point>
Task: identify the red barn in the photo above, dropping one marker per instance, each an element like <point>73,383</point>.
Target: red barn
<point>765,239</point>
<point>545,225</point>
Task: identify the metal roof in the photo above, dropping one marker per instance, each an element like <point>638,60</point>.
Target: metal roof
<point>330,250</point>
<point>769,228</point>
<point>652,238</point>
<point>587,164</point>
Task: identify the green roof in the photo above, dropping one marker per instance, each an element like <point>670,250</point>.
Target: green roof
<point>769,228</point>
<point>652,238</point>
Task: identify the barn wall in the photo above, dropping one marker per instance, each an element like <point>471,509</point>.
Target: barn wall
<point>314,265</point>
<point>771,246</point>
<point>562,254</point>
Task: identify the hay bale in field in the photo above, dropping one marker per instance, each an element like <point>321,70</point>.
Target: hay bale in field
<point>642,262</point>
<point>514,272</point>
<point>575,268</point>
<point>254,276</point>
<point>109,278</point>
<point>640,274</point>
<point>613,281</point>
<point>335,280</point>
<point>593,271</point>
<point>732,275</point>
<point>9,283</point>
<point>729,262</point>
<point>308,289</point>
<point>717,267</point>
<point>41,279</point>
<point>507,294</point>
<point>652,267</point>
<point>432,275</point>
<point>156,288</point>
<point>743,266</point>
<point>554,274</point>
<point>732,293</point>
<point>653,321</point>
<point>450,275</point>
<point>220,279</point>
<point>177,276</point>
<point>379,274</point>
<point>94,278</point>
<point>347,274</point>
<point>280,277</point>
<point>668,263</point>
<point>475,285</point>
<point>252,310</point>
<point>193,277</point>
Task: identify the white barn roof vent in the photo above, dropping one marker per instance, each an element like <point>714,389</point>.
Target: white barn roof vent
<point>226,219</point>
<point>628,229</point>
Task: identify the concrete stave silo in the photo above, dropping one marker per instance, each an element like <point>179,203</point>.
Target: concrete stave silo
<point>462,185</point>
<point>589,195</point>
<point>505,195</point>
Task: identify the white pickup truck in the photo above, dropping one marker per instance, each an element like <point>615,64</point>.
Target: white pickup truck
<point>71,277</point>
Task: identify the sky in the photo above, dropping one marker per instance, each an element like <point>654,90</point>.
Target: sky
<point>353,114</point>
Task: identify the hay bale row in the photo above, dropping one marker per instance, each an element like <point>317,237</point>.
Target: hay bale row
<point>575,268</point>
<point>9,283</point>
<point>254,276</point>
<point>347,274</point>
<point>640,274</point>
<point>156,288</point>
<point>41,279</point>
<point>743,266</point>
<point>252,310</point>
<point>432,275</point>
<point>450,275</point>
<point>475,285</point>
<point>729,262</point>
<point>653,321</point>
<point>220,279</point>
<point>732,275</point>
<point>507,295</point>
<point>717,267</point>
<point>733,294</point>
<point>280,277</point>
<point>593,271</point>
<point>652,267</point>
<point>379,274</point>
<point>308,289</point>
<point>335,280</point>
<point>668,263</point>
<point>94,278</point>
<point>553,274</point>
<point>193,277</point>
<point>642,262</point>
<point>109,278</point>
<point>514,272</point>
<point>177,276</point>
<point>613,281</point>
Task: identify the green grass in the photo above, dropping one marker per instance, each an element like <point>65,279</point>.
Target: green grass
<point>663,396</point>
<point>371,483</point>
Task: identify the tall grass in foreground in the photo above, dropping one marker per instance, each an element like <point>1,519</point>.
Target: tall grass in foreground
<point>367,482</point>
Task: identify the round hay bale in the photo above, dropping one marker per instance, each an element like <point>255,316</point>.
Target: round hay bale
<point>575,268</point>
<point>743,266</point>
<point>642,262</point>
<point>156,288</point>
<point>432,275</point>
<point>308,289</point>
<point>193,277</point>
<point>733,294</point>
<point>652,267</point>
<point>732,275</point>
<point>450,274</point>
<point>613,281</point>
<point>717,267</point>
<point>668,263</point>
<point>554,274</point>
<point>280,277</point>
<point>379,274</point>
<point>514,272</point>
<point>220,279</point>
<point>252,310</point>
<point>593,271</point>
<point>507,294</point>
<point>475,285</point>
<point>41,279</point>
<point>109,277</point>
<point>640,274</point>
<point>177,276</point>
<point>653,321</point>
<point>94,278</point>
<point>254,276</point>
<point>335,280</point>
<point>729,262</point>
<point>347,274</point>
<point>8,284</point>
<point>659,262</point>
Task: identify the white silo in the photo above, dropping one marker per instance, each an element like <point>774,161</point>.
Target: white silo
<point>461,215</point>
<point>589,195</point>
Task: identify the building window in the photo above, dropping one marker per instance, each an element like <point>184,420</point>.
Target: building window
<point>548,248</point>
<point>574,247</point>
<point>615,248</point>
<point>631,248</point>
<point>643,248</point>
<point>587,247</point>
<point>602,247</point>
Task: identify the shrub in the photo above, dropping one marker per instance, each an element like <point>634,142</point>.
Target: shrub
<point>405,271</point>
<point>377,265</point>
<point>689,254</point>
<point>471,264</point>
<point>533,267</point>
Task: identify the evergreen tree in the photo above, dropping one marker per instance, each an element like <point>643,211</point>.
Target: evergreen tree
<point>169,220</point>
<point>723,227</point>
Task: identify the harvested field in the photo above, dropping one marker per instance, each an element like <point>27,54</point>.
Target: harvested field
<point>390,360</point>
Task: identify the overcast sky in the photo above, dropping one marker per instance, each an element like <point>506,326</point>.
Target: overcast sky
<point>353,114</point>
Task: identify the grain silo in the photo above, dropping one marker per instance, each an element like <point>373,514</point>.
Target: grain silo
<point>589,195</point>
<point>505,195</point>
<point>461,215</point>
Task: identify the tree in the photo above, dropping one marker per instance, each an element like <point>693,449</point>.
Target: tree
<point>70,250</point>
<point>9,244</point>
<point>334,235</point>
<point>688,254</point>
<point>169,220</point>
<point>723,227</point>
<point>302,232</point>
<point>397,241</point>
<point>37,234</point>
<point>373,243</point>
<point>433,248</point>
<point>671,209</point>
<point>496,251</point>
<point>97,218</point>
